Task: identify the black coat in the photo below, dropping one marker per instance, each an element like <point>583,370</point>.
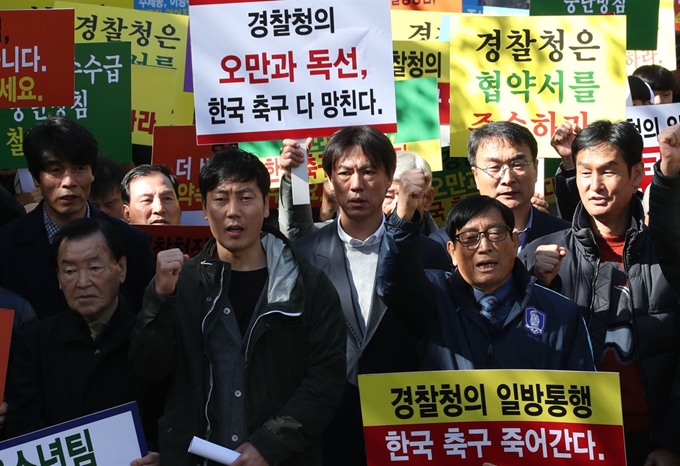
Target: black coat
<point>386,346</point>
<point>26,269</point>
<point>651,261</point>
<point>58,373</point>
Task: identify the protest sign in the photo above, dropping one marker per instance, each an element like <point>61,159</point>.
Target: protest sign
<point>102,105</point>
<point>664,55</point>
<point>418,132</point>
<point>6,324</point>
<point>451,6</point>
<point>503,417</point>
<point>650,120</point>
<point>110,437</point>
<point>176,7</point>
<point>35,4</point>
<point>176,148</point>
<point>190,239</point>
<point>35,58</point>
<point>641,16</point>
<point>537,72</point>
<point>416,25</point>
<point>159,42</point>
<point>290,70</point>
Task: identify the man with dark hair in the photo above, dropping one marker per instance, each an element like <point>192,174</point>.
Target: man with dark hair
<point>489,313</point>
<point>249,335</point>
<point>360,162</point>
<point>61,155</point>
<point>625,278</point>
<point>75,363</point>
<point>105,189</point>
<point>503,156</point>
<point>660,80</point>
<point>150,195</point>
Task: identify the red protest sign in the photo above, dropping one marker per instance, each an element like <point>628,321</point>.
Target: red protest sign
<point>36,58</point>
<point>175,147</point>
<point>6,323</point>
<point>190,239</point>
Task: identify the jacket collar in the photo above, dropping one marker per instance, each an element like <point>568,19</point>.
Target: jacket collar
<point>585,236</point>
<point>74,328</point>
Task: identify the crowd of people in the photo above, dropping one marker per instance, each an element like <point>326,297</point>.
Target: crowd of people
<point>256,343</point>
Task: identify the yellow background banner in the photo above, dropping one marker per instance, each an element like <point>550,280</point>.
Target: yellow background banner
<point>490,395</point>
<point>536,71</point>
<point>416,25</point>
<point>421,59</point>
<point>159,41</point>
<point>664,54</point>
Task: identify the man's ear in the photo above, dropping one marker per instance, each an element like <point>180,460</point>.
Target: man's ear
<point>428,199</point>
<point>450,247</point>
<point>122,268</point>
<point>126,213</point>
<point>266,206</point>
<point>637,172</point>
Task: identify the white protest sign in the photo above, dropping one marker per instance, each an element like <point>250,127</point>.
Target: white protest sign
<point>110,437</point>
<point>267,70</point>
<point>649,120</point>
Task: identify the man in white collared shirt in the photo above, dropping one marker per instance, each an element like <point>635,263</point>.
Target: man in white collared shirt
<point>360,163</point>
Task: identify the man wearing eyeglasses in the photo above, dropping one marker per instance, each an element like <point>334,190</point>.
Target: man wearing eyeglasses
<point>489,313</point>
<point>503,159</point>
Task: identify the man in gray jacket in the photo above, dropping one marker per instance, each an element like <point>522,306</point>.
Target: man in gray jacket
<point>249,335</point>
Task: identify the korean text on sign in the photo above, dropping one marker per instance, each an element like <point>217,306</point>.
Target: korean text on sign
<point>297,71</point>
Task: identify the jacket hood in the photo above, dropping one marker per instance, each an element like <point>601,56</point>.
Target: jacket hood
<point>282,265</point>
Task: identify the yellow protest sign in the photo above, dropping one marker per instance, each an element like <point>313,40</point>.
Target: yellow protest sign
<point>498,416</point>
<point>664,55</point>
<point>416,25</point>
<point>535,71</point>
<point>148,108</point>
<point>159,41</point>
<point>421,59</point>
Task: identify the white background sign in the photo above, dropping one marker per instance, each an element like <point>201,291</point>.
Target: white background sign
<point>273,69</point>
<point>649,121</point>
<point>112,440</point>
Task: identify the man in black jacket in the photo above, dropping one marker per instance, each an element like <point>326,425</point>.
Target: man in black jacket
<point>248,334</point>
<point>503,156</point>
<point>624,276</point>
<point>75,363</point>
<point>61,156</point>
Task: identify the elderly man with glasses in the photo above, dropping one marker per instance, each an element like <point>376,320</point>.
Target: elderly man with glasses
<point>489,313</point>
<point>503,159</point>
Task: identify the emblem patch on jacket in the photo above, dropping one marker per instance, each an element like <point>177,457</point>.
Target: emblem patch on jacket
<point>534,320</point>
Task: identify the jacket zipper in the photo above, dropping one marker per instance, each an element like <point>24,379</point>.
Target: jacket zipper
<point>252,329</point>
<point>207,402</point>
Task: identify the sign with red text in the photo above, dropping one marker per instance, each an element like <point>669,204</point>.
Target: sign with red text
<point>650,120</point>
<point>190,239</point>
<point>290,68</point>
<point>175,147</point>
<point>36,58</point>
<point>504,417</point>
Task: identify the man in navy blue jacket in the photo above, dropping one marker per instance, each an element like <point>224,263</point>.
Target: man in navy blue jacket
<point>489,313</point>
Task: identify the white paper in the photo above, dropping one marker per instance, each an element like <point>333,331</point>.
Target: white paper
<point>212,451</point>
<point>300,179</point>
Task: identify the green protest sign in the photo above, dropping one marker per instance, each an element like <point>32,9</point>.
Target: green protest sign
<point>642,16</point>
<point>102,105</point>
